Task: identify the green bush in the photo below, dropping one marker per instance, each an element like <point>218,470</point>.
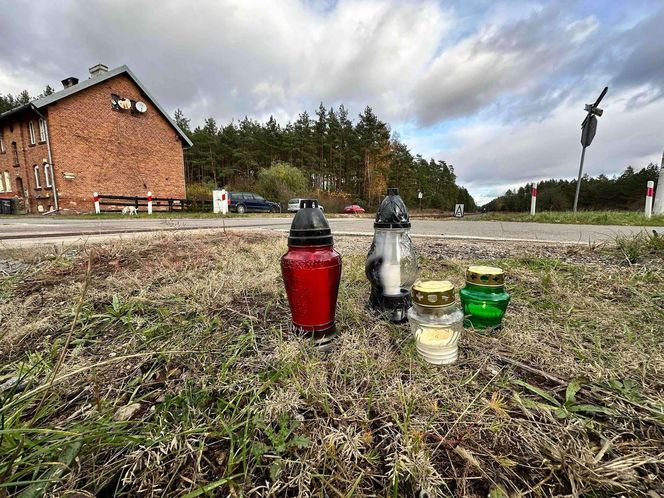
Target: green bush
<point>200,191</point>
<point>280,182</point>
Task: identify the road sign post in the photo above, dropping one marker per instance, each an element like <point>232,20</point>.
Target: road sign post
<point>458,210</point>
<point>588,130</point>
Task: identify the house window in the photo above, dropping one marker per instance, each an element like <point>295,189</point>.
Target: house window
<point>37,181</point>
<point>47,175</point>
<point>8,182</point>
<point>42,130</point>
<point>2,188</point>
<point>15,153</point>
<point>2,144</point>
<point>31,129</point>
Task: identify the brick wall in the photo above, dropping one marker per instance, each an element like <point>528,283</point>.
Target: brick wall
<point>29,156</point>
<point>112,152</point>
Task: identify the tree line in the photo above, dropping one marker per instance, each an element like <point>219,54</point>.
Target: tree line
<point>355,161</point>
<point>622,192</point>
<point>9,101</point>
<point>336,156</point>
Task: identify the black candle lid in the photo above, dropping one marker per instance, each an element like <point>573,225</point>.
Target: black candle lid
<point>392,212</point>
<point>310,227</point>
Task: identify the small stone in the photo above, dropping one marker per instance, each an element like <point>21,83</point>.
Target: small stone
<point>127,412</point>
<point>12,383</point>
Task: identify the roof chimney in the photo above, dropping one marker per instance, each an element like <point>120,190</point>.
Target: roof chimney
<point>71,81</point>
<point>98,69</point>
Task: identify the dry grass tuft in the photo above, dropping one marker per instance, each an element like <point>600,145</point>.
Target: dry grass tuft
<point>181,376</point>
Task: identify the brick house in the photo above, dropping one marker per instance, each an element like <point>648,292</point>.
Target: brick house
<point>106,134</point>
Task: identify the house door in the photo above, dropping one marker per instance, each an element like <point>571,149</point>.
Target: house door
<point>19,187</point>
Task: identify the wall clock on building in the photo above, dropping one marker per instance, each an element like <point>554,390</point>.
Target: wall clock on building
<point>141,107</point>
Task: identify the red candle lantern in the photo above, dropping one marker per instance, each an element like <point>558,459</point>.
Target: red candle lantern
<point>311,270</point>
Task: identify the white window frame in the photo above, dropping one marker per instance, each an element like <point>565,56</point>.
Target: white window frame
<point>2,144</point>
<point>2,186</point>
<point>47,175</point>
<point>31,130</point>
<point>8,182</point>
<point>42,130</point>
<point>37,180</point>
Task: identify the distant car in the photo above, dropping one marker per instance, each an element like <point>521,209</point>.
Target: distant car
<point>353,209</point>
<point>294,204</point>
<point>248,202</point>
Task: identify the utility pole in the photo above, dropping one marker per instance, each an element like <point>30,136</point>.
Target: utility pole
<point>588,130</point>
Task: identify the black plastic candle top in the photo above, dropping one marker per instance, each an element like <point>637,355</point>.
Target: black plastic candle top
<point>310,227</point>
<point>392,212</point>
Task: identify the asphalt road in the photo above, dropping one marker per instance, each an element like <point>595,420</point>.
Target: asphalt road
<point>26,230</point>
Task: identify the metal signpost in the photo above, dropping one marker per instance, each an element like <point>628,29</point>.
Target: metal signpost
<point>419,196</point>
<point>588,129</point>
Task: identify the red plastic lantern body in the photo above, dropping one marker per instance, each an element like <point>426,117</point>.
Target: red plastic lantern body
<point>311,270</point>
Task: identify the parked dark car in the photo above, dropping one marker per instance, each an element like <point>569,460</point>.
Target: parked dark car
<point>248,202</point>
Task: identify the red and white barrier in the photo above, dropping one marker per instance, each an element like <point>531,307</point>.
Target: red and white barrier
<point>149,202</point>
<point>649,193</point>
<point>533,199</point>
<point>95,198</point>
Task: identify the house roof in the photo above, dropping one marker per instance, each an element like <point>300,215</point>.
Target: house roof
<point>54,97</point>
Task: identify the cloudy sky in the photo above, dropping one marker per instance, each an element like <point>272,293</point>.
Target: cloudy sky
<point>495,88</point>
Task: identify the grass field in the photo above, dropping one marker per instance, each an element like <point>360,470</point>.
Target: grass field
<point>582,217</point>
<point>164,367</point>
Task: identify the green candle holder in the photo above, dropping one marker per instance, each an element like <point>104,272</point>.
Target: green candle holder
<point>484,298</point>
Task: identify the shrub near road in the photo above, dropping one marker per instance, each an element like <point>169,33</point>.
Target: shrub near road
<point>164,367</point>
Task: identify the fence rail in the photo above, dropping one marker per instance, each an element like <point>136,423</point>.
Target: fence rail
<point>115,203</point>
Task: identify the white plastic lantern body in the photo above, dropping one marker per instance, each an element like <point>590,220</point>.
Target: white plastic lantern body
<point>394,260</point>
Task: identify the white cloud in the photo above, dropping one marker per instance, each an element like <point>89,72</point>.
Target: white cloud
<point>497,92</point>
<point>496,156</point>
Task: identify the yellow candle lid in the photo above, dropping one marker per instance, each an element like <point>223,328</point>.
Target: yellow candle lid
<point>485,275</point>
<point>433,293</point>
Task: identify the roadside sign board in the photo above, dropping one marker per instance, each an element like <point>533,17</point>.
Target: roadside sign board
<point>458,210</point>
<point>220,201</point>
<point>588,131</point>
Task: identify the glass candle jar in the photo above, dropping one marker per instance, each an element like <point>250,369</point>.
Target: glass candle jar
<point>484,298</point>
<point>391,265</point>
<point>435,321</point>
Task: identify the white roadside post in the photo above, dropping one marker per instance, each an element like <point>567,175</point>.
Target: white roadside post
<point>95,197</point>
<point>649,192</point>
<point>658,206</point>
<point>533,199</point>
<point>149,202</point>
<point>224,201</point>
